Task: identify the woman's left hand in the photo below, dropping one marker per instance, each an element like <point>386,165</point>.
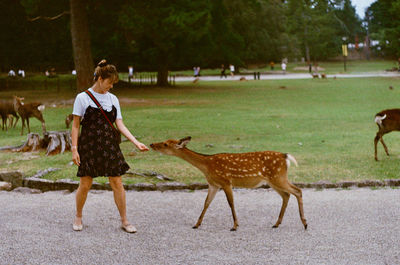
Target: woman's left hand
<point>142,147</point>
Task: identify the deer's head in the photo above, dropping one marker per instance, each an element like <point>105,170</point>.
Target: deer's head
<point>170,147</point>
<point>18,100</point>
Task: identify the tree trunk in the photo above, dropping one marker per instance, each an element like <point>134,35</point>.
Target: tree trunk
<point>81,44</point>
<point>162,77</point>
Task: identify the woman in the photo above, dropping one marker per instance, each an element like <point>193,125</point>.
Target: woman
<point>97,152</point>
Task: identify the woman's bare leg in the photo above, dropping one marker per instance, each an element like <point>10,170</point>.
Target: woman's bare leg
<point>119,197</point>
<point>81,194</point>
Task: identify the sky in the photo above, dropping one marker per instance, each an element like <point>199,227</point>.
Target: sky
<point>361,5</point>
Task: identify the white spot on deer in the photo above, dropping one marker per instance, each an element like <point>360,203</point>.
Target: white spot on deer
<point>40,108</point>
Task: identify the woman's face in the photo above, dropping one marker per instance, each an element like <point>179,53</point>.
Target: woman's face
<point>106,84</point>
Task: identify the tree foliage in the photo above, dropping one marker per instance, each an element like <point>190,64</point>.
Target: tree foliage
<point>161,35</point>
<point>383,26</point>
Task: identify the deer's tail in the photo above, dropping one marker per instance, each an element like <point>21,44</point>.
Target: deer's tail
<point>379,119</point>
<point>291,158</point>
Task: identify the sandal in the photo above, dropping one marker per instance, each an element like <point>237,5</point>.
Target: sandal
<point>129,228</point>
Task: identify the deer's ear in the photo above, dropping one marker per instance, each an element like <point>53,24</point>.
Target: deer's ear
<point>183,142</point>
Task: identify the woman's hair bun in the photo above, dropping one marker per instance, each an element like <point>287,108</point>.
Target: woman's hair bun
<point>102,63</point>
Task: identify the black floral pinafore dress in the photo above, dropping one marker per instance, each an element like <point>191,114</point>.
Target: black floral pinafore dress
<point>98,149</point>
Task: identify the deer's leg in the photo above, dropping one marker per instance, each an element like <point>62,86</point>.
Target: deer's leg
<point>10,121</point>
<point>16,120</point>
<point>40,118</point>
<point>384,146</point>
<point>23,125</point>
<point>212,190</point>
<point>299,196</point>
<point>27,122</point>
<point>229,197</point>
<point>377,137</point>
<point>285,199</point>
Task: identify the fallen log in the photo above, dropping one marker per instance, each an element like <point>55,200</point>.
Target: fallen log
<point>55,142</point>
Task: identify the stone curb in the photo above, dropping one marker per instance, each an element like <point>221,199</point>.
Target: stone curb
<point>17,180</point>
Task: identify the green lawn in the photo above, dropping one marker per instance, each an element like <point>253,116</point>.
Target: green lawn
<point>328,125</point>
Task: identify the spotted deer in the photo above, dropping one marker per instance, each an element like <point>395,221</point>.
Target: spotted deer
<point>387,121</point>
<point>27,110</point>
<point>245,170</point>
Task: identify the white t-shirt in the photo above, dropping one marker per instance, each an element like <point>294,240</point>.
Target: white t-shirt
<point>107,100</point>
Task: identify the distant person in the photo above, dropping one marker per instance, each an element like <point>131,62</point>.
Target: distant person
<point>283,65</point>
<point>47,73</point>
<point>223,69</point>
<point>309,67</point>
<point>11,73</point>
<point>198,71</point>
<point>272,65</point>
<point>232,69</point>
<point>73,72</point>
<point>130,73</point>
<point>21,73</point>
<point>195,71</point>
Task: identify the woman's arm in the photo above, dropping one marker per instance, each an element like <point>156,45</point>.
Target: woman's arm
<point>74,137</point>
<point>122,128</point>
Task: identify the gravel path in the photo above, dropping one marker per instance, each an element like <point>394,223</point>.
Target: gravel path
<point>358,226</point>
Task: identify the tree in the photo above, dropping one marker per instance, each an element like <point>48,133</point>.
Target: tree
<point>166,35</point>
<point>319,25</point>
<point>260,23</point>
<point>383,27</point>
<point>79,33</point>
<point>81,44</point>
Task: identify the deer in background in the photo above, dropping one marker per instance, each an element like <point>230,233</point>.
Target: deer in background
<point>6,111</point>
<point>28,110</point>
<point>68,120</point>
<point>387,121</point>
<point>245,170</point>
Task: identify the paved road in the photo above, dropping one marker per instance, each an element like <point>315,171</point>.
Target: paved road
<point>280,75</point>
<point>359,226</point>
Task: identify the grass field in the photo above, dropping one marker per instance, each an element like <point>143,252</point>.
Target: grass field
<point>326,124</point>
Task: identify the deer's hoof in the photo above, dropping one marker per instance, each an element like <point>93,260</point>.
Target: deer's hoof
<point>233,229</point>
<point>275,226</point>
<point>305,227</point>
<point>195,227</point>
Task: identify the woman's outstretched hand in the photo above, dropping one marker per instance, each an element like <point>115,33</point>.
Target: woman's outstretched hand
<point>142,147</point>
